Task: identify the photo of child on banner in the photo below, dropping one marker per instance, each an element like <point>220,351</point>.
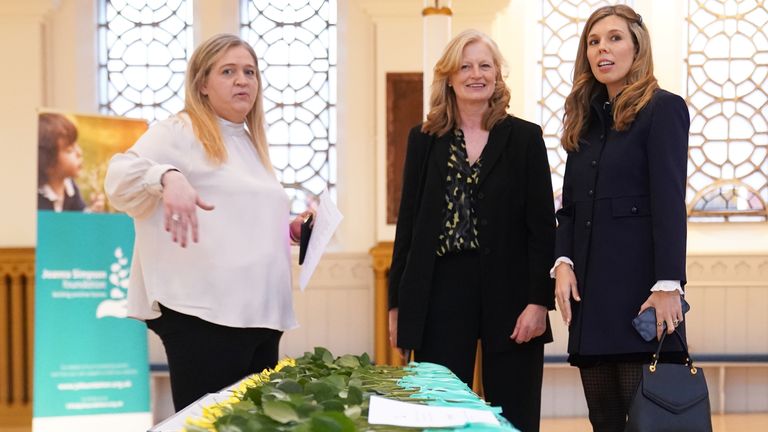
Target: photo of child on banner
<point>73,151</point>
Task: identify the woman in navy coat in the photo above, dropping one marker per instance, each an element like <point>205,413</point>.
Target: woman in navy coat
<point>475,234</point>
<point>622,228</point>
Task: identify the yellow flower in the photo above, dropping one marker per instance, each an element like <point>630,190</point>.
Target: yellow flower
<point>212,412</point>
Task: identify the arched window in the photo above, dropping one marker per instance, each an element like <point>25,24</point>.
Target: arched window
<point>143,50</point>
<point>296,45</point>
<point>727,93</point>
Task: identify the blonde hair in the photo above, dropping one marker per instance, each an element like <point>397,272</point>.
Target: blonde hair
<point>444,111</point>
<point>641,83</point>
<point>204,119</point>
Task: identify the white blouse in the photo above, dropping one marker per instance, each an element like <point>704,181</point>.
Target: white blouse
<point>239,273</point>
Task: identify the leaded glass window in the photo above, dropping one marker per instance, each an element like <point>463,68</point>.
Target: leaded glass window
<point>726,87</point>
<point>295,41</point>
<point>143,50</point>
<point>562,22</point>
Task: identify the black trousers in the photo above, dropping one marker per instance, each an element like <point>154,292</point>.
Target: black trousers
<point>204,357</point>
<point>512,379</point>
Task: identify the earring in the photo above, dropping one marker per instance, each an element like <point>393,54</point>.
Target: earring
<point>450,85</point>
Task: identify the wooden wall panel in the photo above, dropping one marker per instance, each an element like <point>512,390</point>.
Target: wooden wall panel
<point>17,271</point>
<point>404,111</point>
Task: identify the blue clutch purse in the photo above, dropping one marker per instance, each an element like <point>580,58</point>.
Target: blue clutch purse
<point>645,323</point>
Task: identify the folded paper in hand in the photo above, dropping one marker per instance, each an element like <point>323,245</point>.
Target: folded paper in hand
<point>327,219</point>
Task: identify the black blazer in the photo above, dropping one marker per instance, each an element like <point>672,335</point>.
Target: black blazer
<point>623,220</point>
<point>515,210</point>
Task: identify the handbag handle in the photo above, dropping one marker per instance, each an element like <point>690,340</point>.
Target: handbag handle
<point>688,360</point>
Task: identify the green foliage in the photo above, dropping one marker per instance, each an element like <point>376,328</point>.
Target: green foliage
<point>320,394</point>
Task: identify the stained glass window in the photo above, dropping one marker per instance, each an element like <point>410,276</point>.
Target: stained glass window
<point>295,41</point>
<point>726,86</point>
<point>143,50</point>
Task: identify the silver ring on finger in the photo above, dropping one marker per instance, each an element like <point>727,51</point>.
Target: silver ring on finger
<point>175,217</point>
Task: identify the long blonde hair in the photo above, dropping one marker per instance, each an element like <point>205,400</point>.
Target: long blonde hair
<point>204,122</point>
<point>444,112</point>
<point>641,83</point>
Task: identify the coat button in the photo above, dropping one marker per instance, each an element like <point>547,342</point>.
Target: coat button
<point>588,224</point>
<point>594,163</point>
<point>480,195</point>
<point>633,210</point>
<point>591,192</point>
<point>486,251</point>
<point>602,137</point>
<point>483,222</point>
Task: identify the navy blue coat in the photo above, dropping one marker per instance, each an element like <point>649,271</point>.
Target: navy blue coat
<point>516,232</point>
<point>623,220</point>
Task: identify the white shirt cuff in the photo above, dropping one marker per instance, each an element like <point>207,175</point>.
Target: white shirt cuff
<point>562,259</point>
<point>151,181</point>
<point>668,285</point>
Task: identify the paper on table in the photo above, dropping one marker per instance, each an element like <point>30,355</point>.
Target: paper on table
<point>390,412</point>
<point>327,219</point>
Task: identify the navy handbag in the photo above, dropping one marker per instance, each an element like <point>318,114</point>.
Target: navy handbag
<point>671,397</point>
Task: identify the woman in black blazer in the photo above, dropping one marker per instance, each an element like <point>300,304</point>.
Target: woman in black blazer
<point>622,227</point>
<point>475,234</point>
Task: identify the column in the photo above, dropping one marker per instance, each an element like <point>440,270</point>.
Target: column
<point>437,32</point>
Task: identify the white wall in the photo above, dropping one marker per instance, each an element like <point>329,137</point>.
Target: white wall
<point>21,42</point>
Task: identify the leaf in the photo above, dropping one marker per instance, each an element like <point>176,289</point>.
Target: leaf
<point>320,390</point>
<point>253,394</point>
<point>306,409</point>
<point>354,395</point>
<point>349,361</point>
<point>331,422</point>
<point>365,360</point>
<point>280,411</point>
<point>272,393</point>
<point>304,427</point>
<point>339,382</point>
<point>333,405</point>
<point>231,423</point>
<point>290,386</point>
<point>324,355</point>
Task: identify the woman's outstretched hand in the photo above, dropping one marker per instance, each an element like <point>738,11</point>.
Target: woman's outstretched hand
<point>180,202</point>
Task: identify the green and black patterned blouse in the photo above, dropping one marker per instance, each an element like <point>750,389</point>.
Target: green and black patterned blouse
<point>459,231</point>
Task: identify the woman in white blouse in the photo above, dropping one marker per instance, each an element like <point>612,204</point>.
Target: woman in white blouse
<point>211,270</point>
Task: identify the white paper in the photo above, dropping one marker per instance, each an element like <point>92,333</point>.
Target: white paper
<point>327,219</point>
<point>390,412</point>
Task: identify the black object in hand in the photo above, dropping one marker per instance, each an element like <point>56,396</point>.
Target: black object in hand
<point>306,233</point>
<point>646,323</point>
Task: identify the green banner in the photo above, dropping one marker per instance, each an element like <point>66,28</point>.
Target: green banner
<point>89,358</point>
